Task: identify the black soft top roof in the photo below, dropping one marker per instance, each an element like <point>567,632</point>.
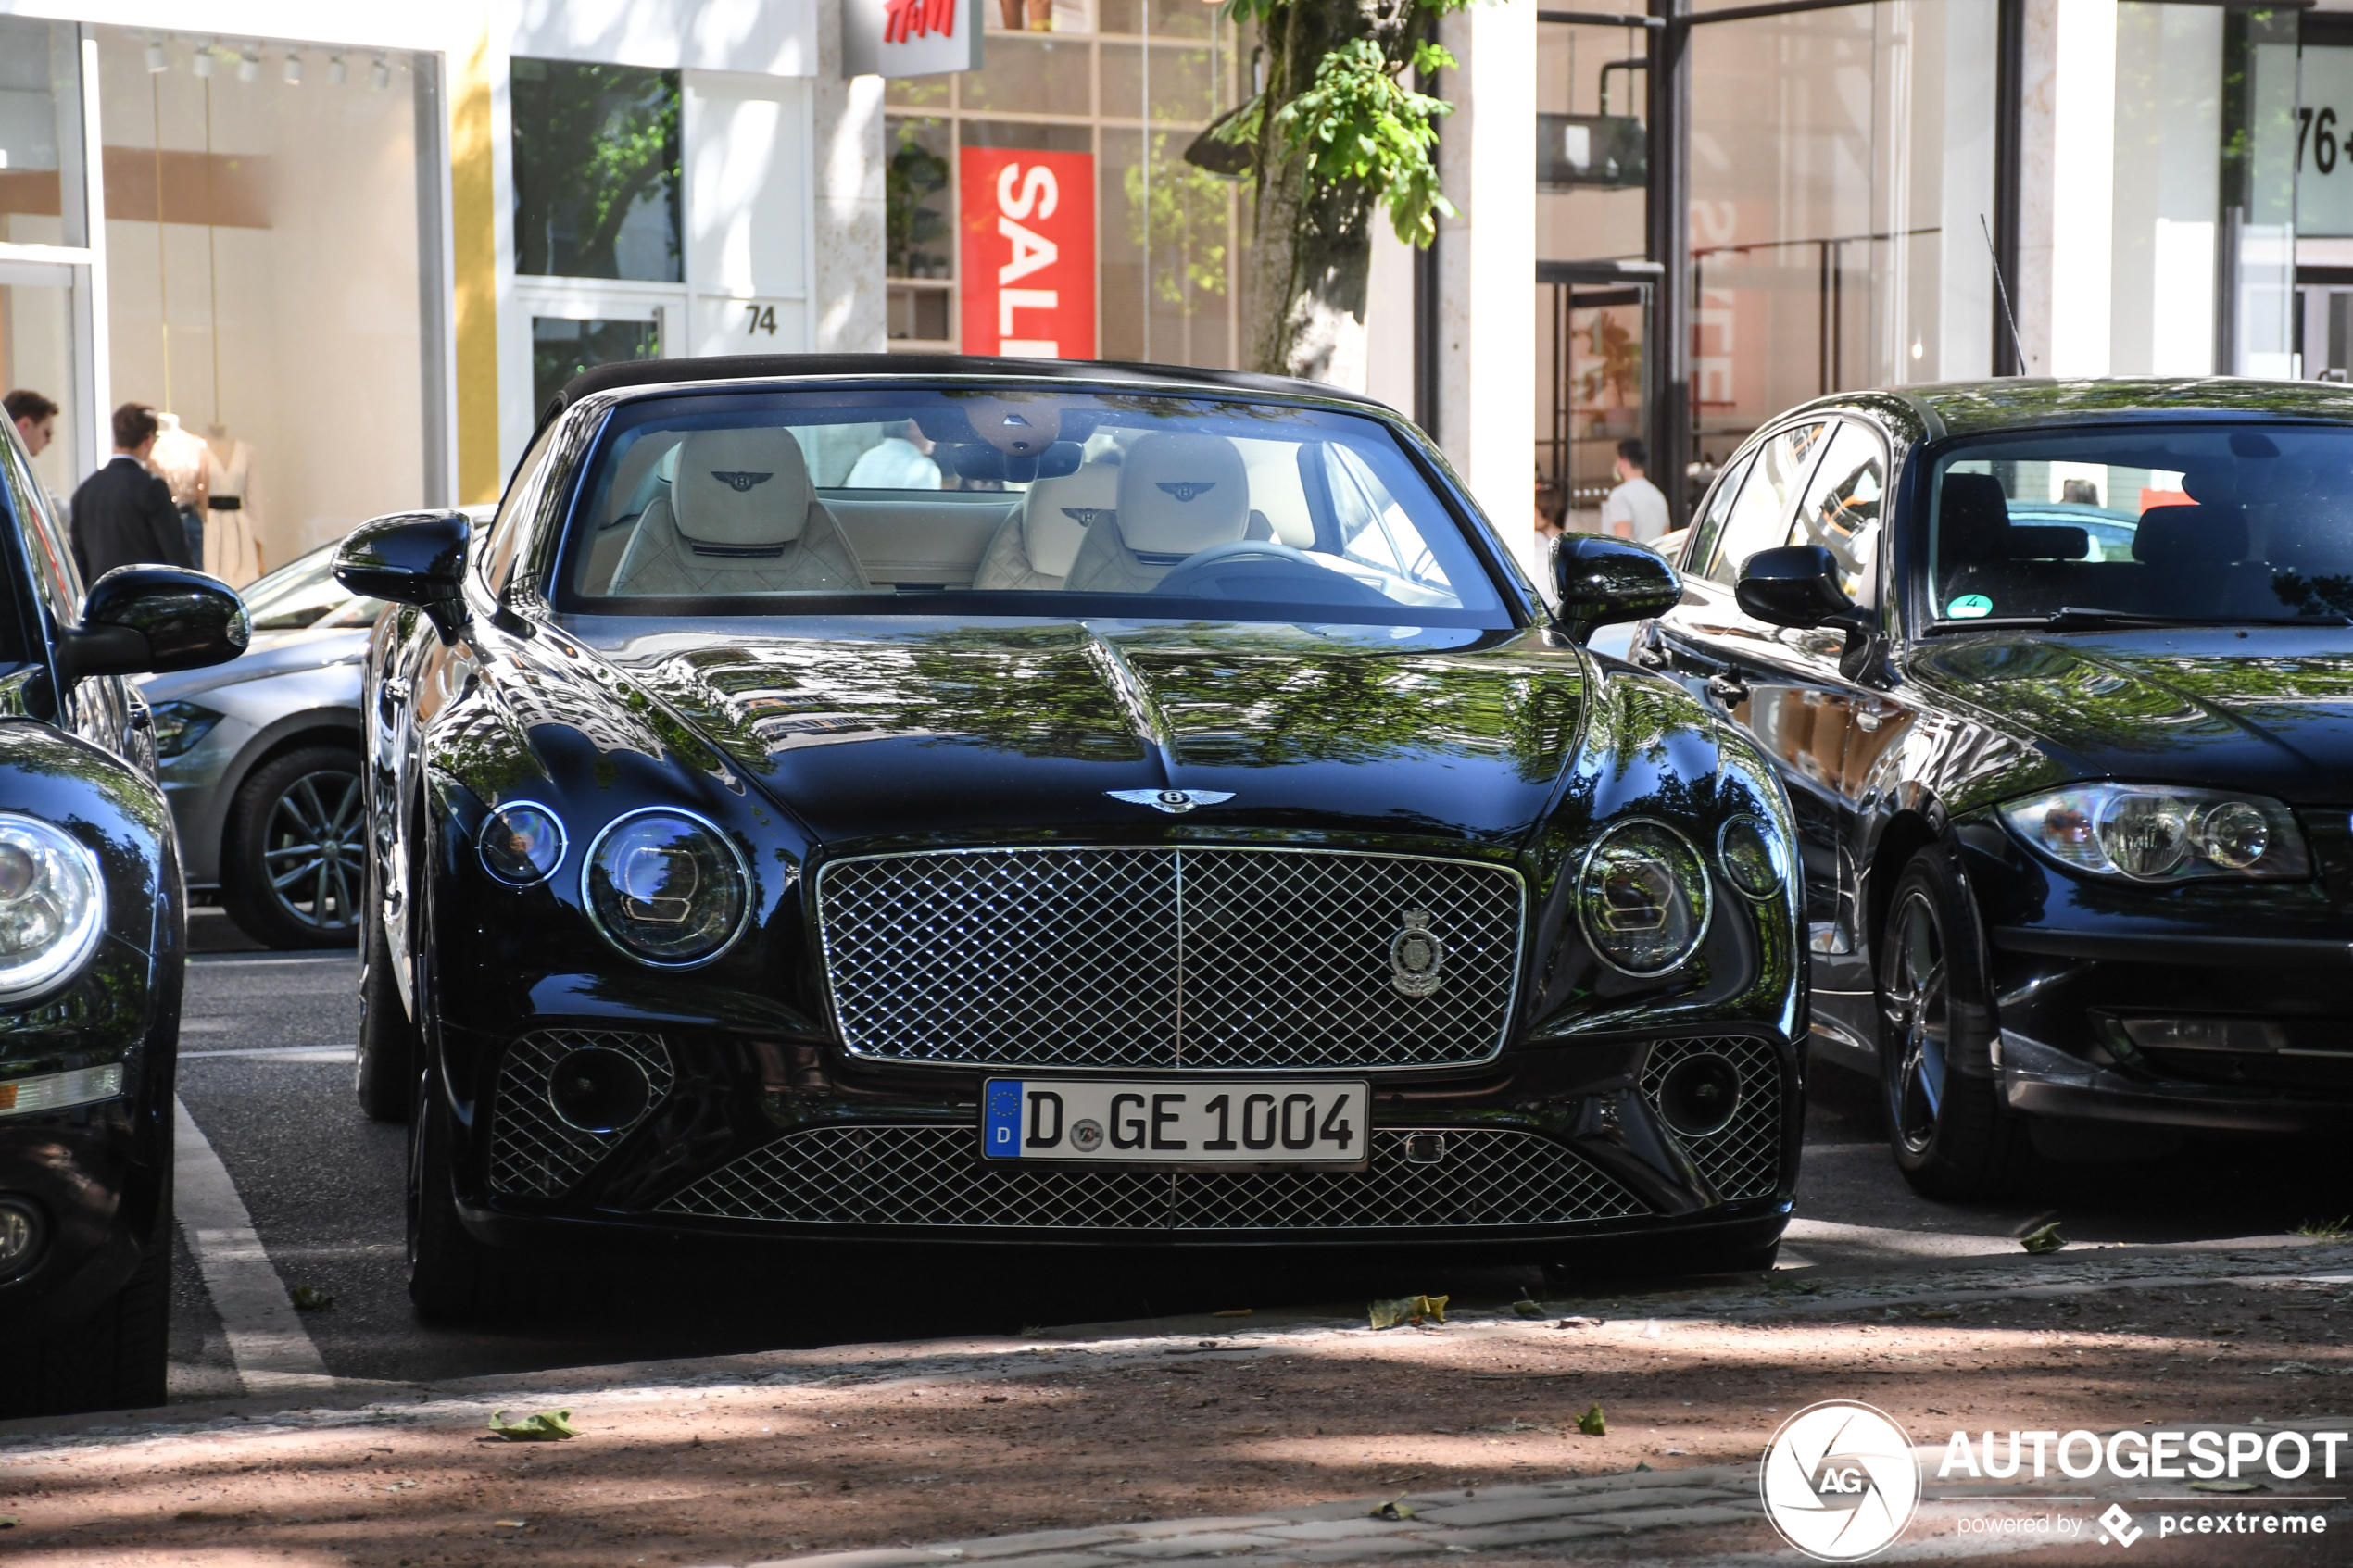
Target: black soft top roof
<point>773,367</point>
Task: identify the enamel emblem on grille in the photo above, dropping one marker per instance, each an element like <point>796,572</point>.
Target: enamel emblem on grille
<point>1415,956</point>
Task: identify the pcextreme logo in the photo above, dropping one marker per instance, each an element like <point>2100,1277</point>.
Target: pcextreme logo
<point>1840,1481</point>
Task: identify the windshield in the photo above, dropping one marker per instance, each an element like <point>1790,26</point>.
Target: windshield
<point>2230,523</point>
<point>1014,502</point>
<point>304,594</point>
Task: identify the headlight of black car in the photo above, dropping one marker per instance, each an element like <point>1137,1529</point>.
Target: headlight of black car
<point>665,887</point>
<point>53,905</point>
<point>1644,898</point>
<point>179,725</point>
<point>2158,833</point>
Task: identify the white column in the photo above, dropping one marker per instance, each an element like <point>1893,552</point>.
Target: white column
<point>2067,172</point>
<point>847,203</point>
<point>1487,264</point>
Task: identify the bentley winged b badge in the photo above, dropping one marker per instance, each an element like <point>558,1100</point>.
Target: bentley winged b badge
<point>1176,802</point>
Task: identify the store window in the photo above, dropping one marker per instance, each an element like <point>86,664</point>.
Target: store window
<point>561,349</point>
<point>42,204</point>
<point>1043,205</point>
<point>597,167</point>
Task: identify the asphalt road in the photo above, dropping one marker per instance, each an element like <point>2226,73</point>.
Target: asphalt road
<point>265,1075</point>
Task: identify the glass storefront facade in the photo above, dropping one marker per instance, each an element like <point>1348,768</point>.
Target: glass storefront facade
<point>1106,94</point>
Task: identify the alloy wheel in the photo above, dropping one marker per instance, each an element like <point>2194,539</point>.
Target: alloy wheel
<point>314,849</point>
<point>1916,1000</point>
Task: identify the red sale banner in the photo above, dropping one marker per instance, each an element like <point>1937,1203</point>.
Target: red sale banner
<point>1028,256</point>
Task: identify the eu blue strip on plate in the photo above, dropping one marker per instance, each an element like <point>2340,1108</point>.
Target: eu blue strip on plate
<point>1001,1127</point>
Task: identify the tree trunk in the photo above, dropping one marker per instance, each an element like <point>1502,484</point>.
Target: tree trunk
<point>1311,252</point>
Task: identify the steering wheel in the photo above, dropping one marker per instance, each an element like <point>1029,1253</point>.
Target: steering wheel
<point>1198,575</point>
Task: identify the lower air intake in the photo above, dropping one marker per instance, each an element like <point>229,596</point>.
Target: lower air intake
<point>541,1143</point>
<point>1743,1157</point>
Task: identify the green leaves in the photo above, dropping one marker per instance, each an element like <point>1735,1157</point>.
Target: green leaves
<point>1360,125</point>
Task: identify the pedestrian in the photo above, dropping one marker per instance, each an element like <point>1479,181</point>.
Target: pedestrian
<point>123,514</point>
<point>1636,509</point>
<point>36,417</point>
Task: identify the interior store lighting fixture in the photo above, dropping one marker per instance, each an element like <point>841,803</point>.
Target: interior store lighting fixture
<point>380,74</point>
<point>249,66</point>
<point>338,72</point>
<point>294,68</point>
<point>205,61</point>
<point>156,62</point>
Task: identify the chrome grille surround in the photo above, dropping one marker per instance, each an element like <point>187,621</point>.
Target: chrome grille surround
<point>931,1176</point>
<point>534,1153</point>
<point>1213,957</point>
<point>1743,1159</point>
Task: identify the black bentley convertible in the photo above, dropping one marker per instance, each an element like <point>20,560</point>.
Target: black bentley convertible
<point>2058,675</point>
<point>957,799</point>
<point>93,940</point>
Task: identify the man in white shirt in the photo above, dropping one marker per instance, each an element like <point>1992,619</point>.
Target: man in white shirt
<point>1635,509</point>
<point>902,461</point>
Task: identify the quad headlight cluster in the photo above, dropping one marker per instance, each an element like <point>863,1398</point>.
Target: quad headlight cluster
<point>1644,894</point>
<point>662,885</point>
<point>2158,833</point>
<point>53,905</point>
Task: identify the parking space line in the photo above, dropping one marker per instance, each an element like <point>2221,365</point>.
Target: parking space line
<point>273,1349</point>
<point>322,1053</point>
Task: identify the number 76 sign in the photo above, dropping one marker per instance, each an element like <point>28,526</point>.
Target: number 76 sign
<point>1029,253</point>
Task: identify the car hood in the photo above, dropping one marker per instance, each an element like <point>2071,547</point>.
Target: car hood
<point>2269,711</point>
<point>947,730</point>
<point>269,654</point>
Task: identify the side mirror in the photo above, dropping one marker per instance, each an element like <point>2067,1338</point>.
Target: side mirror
<point>1794,585</point>
<point>1602,582</point>
<point>411,559</point>
<point>150,619</point>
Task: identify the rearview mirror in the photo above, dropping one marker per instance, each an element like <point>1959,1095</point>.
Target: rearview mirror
<point>151,619</point>
<point>1602,582</point>
<point>1794,585</point>
<point>411,559</point>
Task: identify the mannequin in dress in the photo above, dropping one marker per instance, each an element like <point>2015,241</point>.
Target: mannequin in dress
<point>232,540</point>
<point>179,460</point>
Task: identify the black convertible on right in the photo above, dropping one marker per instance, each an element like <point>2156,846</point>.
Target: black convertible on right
<point>2060,678</point>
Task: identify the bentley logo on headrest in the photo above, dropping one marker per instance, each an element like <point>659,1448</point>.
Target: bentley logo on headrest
<point>738,480</point>
<point>1086,516</point>
<point>1186,489</point>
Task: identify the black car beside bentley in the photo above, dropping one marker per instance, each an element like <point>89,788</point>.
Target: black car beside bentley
<point>1162,816</point>
<point>2056,675</point>
<point>92,936</point>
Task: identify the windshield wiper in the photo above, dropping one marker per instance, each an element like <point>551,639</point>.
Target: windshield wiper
<point>2074,616</point>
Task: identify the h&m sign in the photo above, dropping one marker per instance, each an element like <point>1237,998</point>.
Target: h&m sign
<point>909,37</point>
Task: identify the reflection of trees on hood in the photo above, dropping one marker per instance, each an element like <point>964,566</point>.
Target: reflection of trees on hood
<point>2137,702</point>
<point>1247,697</point>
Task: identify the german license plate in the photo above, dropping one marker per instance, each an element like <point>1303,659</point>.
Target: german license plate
<point>1161,1121</point>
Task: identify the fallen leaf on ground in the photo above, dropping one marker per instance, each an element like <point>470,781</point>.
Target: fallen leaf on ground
<point>509,1523</point>
<point>1593,1424</point>
<point>1407,1309</point>
<point>311,1298</point>
<point>9,1520</point>
<point>1395,1508</point>
<point>1234,1312</point>
<point>548,1427</point>
<point>2293,1368</point>
<point>2046,1239</point>
<point>1640,1464</point>
<point>1578,1323</point>
<point>1528,1309</point>
<point>2228,1487</point>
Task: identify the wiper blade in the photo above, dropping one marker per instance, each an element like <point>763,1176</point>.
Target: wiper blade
<point>2070,615</point>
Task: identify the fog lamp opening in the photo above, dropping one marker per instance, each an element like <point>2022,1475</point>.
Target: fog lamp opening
<point>2243,1035</point>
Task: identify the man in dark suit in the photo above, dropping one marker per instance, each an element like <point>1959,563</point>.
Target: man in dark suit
<point>123,513</point>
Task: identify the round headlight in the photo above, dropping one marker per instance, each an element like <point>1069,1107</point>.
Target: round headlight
<point>522,844</point>
<point>53,905</point>
<point>665,887</point>
<point>1642,898</point>
<point>1750,853</point>
<point>2146,834</point>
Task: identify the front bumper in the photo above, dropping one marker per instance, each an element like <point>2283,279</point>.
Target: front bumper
<point>752,1140</point>
<point>2068,1003</point>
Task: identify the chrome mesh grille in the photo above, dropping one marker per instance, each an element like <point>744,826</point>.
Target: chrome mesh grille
<point>1745,1158</point>
<point>933,1176</point>
<point>1161,958</point>
<point>533,1151</point>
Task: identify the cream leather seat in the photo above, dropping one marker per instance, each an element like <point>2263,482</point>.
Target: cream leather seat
<point>1036,544</point>
<point>1179,492</point>
<point>740,518</point>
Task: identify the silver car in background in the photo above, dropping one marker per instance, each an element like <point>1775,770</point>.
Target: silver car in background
<point>260,760</point>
